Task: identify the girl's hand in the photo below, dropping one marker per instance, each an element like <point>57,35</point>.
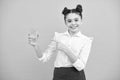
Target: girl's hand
<point>33,38</point>
<point>62,47</point>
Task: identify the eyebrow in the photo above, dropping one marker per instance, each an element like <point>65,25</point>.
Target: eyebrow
<point>76,18</point>
<point>73,19</point>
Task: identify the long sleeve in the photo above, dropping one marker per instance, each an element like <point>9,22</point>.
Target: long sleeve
<point>49,51</point>
<point>80,63</point>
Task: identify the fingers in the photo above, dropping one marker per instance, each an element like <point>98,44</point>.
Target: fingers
<point>32,39</point>
<point>33,36</point>
<point>60,46</point>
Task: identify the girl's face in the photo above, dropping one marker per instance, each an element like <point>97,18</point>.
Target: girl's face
<point>73,22</point>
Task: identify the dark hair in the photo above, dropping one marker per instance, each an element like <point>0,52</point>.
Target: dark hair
<point>78,10</point>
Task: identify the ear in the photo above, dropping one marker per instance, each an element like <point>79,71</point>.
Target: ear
<point>81,22</point>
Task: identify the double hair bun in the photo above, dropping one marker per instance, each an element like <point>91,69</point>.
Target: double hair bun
<point>77,9</point>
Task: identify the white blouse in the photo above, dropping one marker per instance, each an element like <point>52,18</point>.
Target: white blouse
<point>79,44</point>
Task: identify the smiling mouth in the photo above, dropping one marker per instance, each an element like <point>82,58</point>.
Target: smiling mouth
<point>74,27</point>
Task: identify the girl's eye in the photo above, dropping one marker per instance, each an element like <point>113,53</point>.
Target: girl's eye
<point>69,21</point>
<point>76,20</point>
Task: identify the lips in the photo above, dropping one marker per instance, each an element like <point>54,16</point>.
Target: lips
<point>74,26</point>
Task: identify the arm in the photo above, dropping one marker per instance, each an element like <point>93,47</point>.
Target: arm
<point>47,53</point>
<point>78,62</point>
<point>67,51</point>
<point>45,56</point>
<point>37,50</point>
<point>81,61</point>
<point>50,50</point>
<point>32,40</point>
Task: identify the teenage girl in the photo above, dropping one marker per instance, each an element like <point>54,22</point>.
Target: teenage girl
<point>72,47</point>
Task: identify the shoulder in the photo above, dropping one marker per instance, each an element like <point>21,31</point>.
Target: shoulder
<point>59,34</point>
<point>87,38</point>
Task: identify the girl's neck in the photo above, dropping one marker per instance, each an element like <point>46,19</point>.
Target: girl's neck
<point>72,33</point>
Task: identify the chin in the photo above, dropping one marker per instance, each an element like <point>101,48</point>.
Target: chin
<point>74,30</point>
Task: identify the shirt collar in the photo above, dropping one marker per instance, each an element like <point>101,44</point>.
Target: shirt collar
<point>78,34</point>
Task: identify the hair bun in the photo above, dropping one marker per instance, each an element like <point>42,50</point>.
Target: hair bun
<point>79,8</point>
<point>65,11</point>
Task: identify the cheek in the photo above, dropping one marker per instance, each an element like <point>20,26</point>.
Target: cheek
<point>79,23</point>
<point>67,24</point>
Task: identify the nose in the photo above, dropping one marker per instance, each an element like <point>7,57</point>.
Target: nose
<point>73,23</point>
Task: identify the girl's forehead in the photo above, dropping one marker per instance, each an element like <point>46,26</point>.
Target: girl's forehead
<point>72,16</point>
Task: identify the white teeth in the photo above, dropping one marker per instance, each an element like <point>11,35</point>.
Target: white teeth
<point>75,25</point>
